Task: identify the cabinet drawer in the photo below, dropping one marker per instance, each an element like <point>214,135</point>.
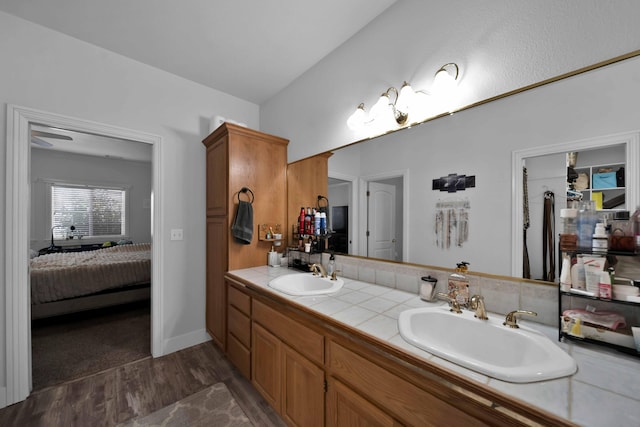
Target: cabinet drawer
<point>239,355</point>
<point>304,340</point>
<point>239,326</point>
<point>404,400</point>
<point>240,300</point>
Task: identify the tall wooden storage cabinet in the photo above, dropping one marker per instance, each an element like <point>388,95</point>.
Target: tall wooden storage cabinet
<point>238,157</point>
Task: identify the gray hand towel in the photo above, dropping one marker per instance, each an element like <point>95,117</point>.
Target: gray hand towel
<point>242,228</point>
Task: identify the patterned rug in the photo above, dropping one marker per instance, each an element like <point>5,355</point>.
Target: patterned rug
<point>213,406</point>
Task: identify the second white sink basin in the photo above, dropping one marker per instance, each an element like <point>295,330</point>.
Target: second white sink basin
<point>515,355</point>
<point>305,284</point>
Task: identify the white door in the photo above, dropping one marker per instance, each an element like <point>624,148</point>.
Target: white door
<point>381,241</point>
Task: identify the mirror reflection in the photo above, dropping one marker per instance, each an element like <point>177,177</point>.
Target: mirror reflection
<point>381,192</point>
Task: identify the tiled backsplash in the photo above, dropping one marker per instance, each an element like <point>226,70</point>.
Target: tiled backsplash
<point>501,294</point>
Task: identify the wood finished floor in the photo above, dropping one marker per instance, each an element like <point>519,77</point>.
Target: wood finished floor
<point>139,388</point>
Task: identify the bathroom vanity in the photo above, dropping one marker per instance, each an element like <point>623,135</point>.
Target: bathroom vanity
<point>319,369</point>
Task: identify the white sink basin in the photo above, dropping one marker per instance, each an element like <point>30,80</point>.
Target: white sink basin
<point>515,355</point>
<point>306,284</point>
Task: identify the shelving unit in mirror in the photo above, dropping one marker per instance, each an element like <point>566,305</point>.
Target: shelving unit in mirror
<point>589,311</point>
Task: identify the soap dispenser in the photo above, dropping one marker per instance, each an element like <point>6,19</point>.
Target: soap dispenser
<point>459,284</point>
<point>331,266</point>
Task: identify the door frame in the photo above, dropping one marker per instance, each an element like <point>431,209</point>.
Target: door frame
<point>362,202</point>
<point>18,185</point>
<point>631,140</point>
<point>353,209</point>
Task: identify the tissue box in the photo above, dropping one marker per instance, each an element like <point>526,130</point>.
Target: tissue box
<point>604,180</point>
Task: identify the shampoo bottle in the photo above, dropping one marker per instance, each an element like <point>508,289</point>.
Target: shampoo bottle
<point>459,284</point>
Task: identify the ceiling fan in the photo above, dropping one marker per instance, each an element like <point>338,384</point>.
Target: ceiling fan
<point>37,135</point>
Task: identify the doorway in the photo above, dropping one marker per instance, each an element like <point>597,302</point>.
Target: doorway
<point>17,308</point>
<point>383,231</point>
<point>631,144</point>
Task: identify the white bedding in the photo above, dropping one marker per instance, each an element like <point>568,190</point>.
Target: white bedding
<point>59,276</point>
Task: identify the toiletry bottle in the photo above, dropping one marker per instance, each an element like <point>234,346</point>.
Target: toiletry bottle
<point>316,223</point>
<point>301,222</point>
<point>331,266</point>
<point>307,222</point>
<point>569,236</point>
<point>600,240</point>
<point>565,273</point>
<point>459,284</point>
<point>578,275</point>
<point>585,222</point>
<point>323,223</point>
<point>604,286</point>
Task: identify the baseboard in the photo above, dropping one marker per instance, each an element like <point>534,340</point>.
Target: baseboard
<point>3,397</point>
<point>184,341</point>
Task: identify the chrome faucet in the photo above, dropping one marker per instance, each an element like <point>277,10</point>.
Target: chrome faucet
<point>455,306</point>
<point>477,303</point>
<point>318,269</point>
<point>510,319</point>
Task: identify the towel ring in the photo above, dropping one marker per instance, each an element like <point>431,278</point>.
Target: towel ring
<point>246,190</point>
<point>326,205</point>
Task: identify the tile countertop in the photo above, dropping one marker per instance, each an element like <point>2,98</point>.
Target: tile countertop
<point>604,391</point>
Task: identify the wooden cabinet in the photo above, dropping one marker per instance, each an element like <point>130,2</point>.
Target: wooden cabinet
<point>306,180</point>
<point>238,157</point>
<point>266,365</point>
<point>345,407</point>
<point>315,373</point>
<point>239,329</point>
<point>287,367</point>
<point>401,399</point>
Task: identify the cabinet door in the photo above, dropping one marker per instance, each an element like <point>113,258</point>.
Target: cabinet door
<point>303,390</point>
<point>216,291</point>
<point>347,408</point>
<point>217,178</point>
<point>266,365</point>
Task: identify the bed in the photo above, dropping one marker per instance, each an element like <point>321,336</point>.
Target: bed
<point>68,282</point>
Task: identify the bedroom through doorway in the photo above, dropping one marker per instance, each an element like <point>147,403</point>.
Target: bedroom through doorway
<point>90,246</point>
<point>18,354</point>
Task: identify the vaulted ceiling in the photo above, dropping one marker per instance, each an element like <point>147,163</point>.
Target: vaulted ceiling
<point>251,49</point>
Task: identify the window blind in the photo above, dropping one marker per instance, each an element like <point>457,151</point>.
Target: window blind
<point>94,211</point>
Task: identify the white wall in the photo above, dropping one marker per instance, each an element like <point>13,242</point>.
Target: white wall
<point>49,71</point>
<point>500,45</point>
<point>78,168</point>
<point>480,141</point>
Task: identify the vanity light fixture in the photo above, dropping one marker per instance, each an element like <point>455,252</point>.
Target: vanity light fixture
<point>407,103</point>
<point>445,78</point>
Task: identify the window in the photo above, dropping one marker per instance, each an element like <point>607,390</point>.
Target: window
<point>92,210</point>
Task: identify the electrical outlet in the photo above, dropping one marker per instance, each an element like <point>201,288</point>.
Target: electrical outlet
<point>176,234</point>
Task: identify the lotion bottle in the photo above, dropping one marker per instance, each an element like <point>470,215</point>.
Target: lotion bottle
<point>578,276</point>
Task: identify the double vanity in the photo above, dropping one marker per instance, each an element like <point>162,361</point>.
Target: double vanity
<point>378,353</point>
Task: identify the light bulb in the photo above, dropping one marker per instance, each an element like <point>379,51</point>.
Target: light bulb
<point>357,119</point>
<point>405,98</point>
<point>381,107</point>
<point>445,79</point>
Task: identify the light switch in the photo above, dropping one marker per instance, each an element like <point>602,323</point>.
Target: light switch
<point>176,234</point>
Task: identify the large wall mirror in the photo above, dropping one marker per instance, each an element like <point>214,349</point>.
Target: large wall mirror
<point>381,197</point>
